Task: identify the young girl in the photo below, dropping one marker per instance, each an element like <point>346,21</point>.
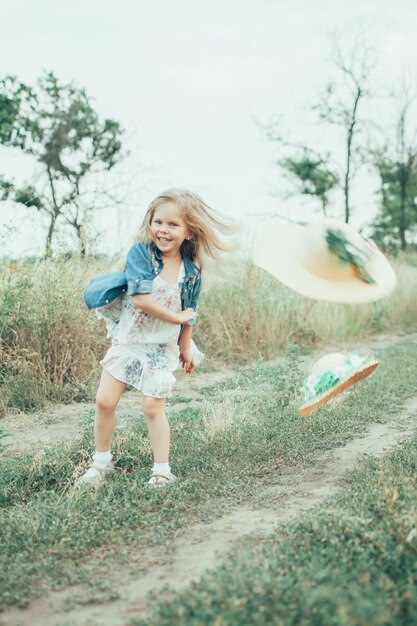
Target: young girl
<point>150,310</point>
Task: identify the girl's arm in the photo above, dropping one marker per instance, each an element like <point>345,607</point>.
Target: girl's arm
<point>185,349</point>
<point>146,302</point>
<point>185,337</point>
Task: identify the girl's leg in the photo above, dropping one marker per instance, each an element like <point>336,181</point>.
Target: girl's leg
<point>107,398</point>
<point>158,427</point>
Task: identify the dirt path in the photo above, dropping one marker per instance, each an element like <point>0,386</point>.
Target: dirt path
<point>205,545</point>
<point>59,423</point>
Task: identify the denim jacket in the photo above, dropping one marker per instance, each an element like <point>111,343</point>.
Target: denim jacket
<point>144,262</point>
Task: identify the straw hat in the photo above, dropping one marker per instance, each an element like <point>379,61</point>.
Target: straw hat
<point>325,260</point>
<point>331,375</point>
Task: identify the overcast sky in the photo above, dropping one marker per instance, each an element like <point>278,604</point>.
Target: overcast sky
<point>187,79</point>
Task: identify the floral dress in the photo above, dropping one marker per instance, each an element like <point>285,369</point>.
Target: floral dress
<point>144,350</point>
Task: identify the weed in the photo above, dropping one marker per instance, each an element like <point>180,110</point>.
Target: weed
<point>351,562</point>
<point>50,344</point>
<point>50,532</point>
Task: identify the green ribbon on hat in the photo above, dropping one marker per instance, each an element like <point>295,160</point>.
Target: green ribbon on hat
<point>329,378</point>
<point>326,381</point>
<point>348,254</point>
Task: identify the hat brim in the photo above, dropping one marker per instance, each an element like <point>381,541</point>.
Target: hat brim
<point>279,251</point>
<point>359,374</point>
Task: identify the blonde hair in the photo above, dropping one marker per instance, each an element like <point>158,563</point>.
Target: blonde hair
<point>203,222</point>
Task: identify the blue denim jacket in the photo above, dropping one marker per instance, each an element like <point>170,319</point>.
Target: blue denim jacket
<point>144,262</point>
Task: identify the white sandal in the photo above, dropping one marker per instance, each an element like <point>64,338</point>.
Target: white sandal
<point>160,480</point>
<point>96,474</point>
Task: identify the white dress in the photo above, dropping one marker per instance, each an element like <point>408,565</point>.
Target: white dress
<point>144,350</point>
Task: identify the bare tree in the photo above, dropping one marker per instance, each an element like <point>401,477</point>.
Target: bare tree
<point>308,171</point>
<point>396,163</point>
<point>316,172</point>
<point>340,102</point>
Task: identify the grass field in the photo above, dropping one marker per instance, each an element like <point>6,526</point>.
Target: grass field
<point>246,435</point>
<point>50,344</point>
<point>352,562</point>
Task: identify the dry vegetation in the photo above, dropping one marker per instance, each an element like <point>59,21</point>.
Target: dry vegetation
<point>50,344</point>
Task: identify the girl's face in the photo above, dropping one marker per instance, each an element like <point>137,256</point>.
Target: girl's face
<point>168,229</point>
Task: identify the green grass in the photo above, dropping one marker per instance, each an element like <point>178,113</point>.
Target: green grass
<point>246,435</point>
<point>352,562</point>
<point>50,344</point>
<point>253,313</point>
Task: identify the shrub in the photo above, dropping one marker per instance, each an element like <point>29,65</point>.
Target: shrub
<point>49,343</point>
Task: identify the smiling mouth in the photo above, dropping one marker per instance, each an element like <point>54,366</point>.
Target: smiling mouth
<point>163,240</point>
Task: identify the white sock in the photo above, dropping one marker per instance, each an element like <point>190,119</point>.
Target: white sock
<point>161,468</point>
<point>102,458</point>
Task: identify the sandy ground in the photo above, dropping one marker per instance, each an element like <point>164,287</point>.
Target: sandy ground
<point>60,422</point>
<point>204,545</point>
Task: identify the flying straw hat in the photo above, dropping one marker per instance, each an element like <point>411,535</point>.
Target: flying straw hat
<point>331,375</point>
<point>325,260</point>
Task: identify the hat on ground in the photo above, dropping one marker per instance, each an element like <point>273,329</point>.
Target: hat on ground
<point>325,260</point>
<point>331,375</point>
